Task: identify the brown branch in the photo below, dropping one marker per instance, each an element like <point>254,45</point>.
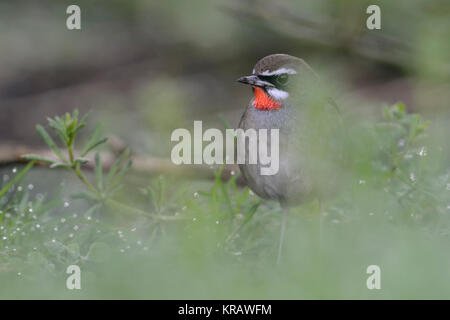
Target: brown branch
<point>12,154</point>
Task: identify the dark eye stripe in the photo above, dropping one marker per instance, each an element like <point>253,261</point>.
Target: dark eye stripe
<point>270,79</point>
<point>273,80</point>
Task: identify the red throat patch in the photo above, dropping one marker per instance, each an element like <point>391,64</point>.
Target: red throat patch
<point>263,101</point>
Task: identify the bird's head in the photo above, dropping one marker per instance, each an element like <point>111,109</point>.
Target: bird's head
<point>275,78</point>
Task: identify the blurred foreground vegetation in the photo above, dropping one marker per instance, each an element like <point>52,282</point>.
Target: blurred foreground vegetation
<point>183,239</point>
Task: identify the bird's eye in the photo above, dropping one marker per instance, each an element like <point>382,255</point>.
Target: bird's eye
<point>283,79</point>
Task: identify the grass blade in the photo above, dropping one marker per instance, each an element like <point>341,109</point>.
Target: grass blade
<point>98,171</point>
<point>116,166</point>
<point>17,178</point>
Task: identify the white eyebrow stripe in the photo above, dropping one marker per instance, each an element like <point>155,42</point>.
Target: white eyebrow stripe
<point>277,94</point>
<point>278,71</point>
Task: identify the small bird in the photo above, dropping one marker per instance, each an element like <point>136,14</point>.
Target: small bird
<point>288,97</point>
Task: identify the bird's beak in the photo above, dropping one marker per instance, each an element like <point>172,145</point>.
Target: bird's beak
<point>254,80</point>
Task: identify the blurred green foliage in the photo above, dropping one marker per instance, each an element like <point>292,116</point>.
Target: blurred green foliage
<point>392,211</point>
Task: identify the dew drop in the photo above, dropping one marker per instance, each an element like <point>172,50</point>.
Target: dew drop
<point>422,152</point>
<point>14,170</point>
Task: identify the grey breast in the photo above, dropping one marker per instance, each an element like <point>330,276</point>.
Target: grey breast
<point>287,184</point>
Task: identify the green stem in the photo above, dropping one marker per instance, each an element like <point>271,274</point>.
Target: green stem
<point>111,202</point>
<point>128,209</point>
<point>70,151</point>
<point>81,176</point>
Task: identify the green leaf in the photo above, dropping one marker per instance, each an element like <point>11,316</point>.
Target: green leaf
<point>24,201</point>
<point>244,196</point>
<point>59,165</point>
<point>120,174</point>
<point>17,178</point>
<point>81,160</point>
<point>226,124</point>
<point>79,127</point>
<point>85,117</point>
<point>116,166</point>
<point>92,141</point>
<point>98,171</point>
<point>32,156</point>
<point>93,146</point>
<point>49,141</point>
<point>58,126</point>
